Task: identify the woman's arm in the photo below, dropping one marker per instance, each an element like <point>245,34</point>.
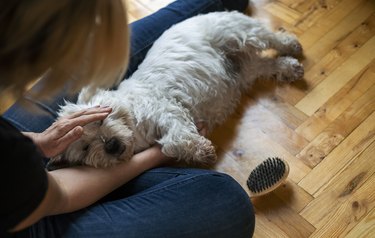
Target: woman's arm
<point>70,189</point>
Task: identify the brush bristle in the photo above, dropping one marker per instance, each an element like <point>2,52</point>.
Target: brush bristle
<point>267,175</point>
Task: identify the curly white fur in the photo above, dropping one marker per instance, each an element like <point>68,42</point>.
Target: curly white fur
<point>195,71</point>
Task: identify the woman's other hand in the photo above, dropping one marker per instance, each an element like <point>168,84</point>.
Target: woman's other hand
<point>201,127</point>
<point>55,139</point>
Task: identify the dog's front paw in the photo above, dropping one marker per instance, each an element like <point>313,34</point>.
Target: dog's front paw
<point>290,69</point>
<point>205,152</point>
<point>194,149</point>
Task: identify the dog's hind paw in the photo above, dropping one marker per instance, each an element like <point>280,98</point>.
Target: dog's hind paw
<point>291,46</point>
<point>295,49</point>
<point>290,69</point>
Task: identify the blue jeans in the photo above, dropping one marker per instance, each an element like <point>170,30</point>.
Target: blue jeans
<point>162,202</point>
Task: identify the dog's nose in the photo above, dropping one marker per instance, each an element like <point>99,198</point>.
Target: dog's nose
<point>114,146</point>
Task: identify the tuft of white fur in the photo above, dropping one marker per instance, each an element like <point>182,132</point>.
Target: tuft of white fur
<point>196,71</point>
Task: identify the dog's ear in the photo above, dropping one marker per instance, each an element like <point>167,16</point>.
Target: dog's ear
<point>124,115</point>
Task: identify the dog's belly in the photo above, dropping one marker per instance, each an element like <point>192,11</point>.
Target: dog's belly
<point>208,100</point>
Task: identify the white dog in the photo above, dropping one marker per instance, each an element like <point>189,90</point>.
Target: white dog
<point>195,71</point>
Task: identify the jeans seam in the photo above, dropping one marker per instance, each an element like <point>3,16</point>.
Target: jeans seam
<point>156,171</point>
<point>183,181</point>
<point>16,124</point>
<point>53,113</point>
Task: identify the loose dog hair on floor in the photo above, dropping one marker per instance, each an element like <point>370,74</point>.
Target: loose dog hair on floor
<point>196,71</point>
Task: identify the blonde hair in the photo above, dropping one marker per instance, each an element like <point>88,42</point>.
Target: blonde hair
<point>72,42</point>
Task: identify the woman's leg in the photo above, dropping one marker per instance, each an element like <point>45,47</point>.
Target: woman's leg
<point>42,114</point>
<point>163,202</point>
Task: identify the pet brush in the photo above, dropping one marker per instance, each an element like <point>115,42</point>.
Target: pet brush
<point>267,176</point>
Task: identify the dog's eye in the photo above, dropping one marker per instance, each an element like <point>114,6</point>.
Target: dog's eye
<point>85,148</point>
<point>99,123</point>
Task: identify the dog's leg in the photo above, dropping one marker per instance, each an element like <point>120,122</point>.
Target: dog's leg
<point>283,69</point>
<point>243,33</point>
<point>286,44</point>
<point>183,142</point>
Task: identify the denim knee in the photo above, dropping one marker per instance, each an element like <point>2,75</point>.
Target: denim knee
<point>237,208</point>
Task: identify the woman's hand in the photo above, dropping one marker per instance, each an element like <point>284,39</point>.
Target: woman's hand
<point>201,127</point>
<point>55,139</point>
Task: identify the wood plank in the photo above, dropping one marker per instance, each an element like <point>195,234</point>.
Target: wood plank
<point>293,196</point>
<point>349,213</point>
<point>339,33</point>
<point>314,183</point>
<point>290,222</point>
<point>313,12</point>
<point>328,21</point>
<point>338,103</point>
<point>339,129</point>
<point>350,184</point>
<point>334,82</point>
<point>365,228</point>
<point>305,5</point>
<point>349,198</point>
<point>271,125</point>
<point>265,228</point>
<point>283,12</point>
<point>288,114</point>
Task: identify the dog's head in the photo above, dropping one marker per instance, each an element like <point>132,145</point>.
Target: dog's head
<point>102,144</point>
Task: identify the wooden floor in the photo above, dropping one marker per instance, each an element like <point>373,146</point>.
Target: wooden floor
<point>324,127</point>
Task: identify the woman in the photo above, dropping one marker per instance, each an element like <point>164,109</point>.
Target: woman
<point>86,41</point>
